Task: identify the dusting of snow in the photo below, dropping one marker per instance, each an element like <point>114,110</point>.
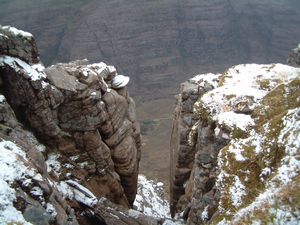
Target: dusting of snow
<point>53,164</point>
<point>40,148</point>
<point>203,79</point>
<point>242,85</point>
<point>17,32</point>
<point>231,119</point>
<point>68,166</point>
<point>93,93</point>
<point>11,169</point>
<point>204,214</point>
<point>8,213</point>
<point>83,164</point>
<point>265,173</point>
<point>44,84</point>
<point>150,200</point>
<point>289,137</point>
<point>287,170</point>
<point>87,71</point>
<point>38,67</point>
<point>223,222</point>
<point>2,98</point>
<point>39,194</point>
<point>170,222</point>
<point>17,63</point>
<point>3,35</point>
<point>51,210</point>
<point>284,215</point>
<point>74,157</point>
<point>237,151</point>
<point>38,177</point>
<point>237,191</point>
<point>36,191</point>
<point>75,191</point>
<point>134,214</point>
<point>98,67</point>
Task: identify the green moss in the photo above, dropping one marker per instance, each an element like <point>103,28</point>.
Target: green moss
<point>201,112</point>
<point>264,84</point>
<point>278,102</point>
<point>269,117</point>
<point>239,134</point>
<point>228,97</point>
<point>223,78</point>
<point>289,196</point>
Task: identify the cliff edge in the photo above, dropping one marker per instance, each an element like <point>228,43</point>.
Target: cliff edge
<point>70,144</point>
<point>235,146</point>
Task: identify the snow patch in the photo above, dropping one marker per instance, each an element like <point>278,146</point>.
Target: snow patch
<point>2,98</point>
<point>51,210</point>
<point>150,198</point>
<point>237,151</point>
<point>204,214</point>
<point>203,79</point>
<point>11,169</point>
<point>17,32</point>
<point>233,120</point>
<point>237,191</point>
<point>17,63</point>
<point>243,84</point>
<point>75,191</point>
<point>53,164</point>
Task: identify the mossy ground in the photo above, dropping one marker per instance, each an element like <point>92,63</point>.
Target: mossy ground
<point>269,123</point>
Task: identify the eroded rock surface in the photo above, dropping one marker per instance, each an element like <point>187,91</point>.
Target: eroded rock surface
<point>237,158</point>
<point>91,140</point>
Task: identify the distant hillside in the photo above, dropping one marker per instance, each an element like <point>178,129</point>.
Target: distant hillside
<point>159,43</point>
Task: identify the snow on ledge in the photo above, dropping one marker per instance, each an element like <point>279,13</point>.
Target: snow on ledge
<point>74,191</point>
<point>17,32</point>
<point>150,200</point>
<point>16,63</point>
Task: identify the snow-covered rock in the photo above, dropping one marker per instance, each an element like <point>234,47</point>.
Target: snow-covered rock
<point>245,142</point>
<point>150,198</point>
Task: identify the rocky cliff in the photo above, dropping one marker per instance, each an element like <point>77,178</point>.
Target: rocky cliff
<point>70,145</point>
<point>235,146</point>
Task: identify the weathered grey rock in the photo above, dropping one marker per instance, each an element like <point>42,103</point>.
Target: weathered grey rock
<point>35,195</point>
<point>89,130</point>
<point>19,44</point>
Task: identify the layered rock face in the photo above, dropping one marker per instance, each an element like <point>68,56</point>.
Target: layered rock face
<point>85,118</point>
<point>235,146</point>
<point>159,43</point>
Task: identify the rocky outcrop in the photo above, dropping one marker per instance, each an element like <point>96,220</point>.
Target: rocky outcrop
<point>243,149</point>
<point>85,118</point>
